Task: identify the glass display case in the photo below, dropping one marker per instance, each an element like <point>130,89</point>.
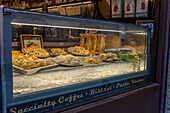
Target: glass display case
<point>67,60</point>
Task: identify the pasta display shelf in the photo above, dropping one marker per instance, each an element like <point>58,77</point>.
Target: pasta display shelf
<point>47,58</point>
<point>72,75</point>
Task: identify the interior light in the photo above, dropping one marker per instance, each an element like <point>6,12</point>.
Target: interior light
<point>41,25</point>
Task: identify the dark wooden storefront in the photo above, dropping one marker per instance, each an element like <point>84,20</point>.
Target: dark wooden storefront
<point>147,99</point>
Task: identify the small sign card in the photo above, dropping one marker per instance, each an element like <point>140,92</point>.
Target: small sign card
<point>31,40</point>
<point>147,23</point>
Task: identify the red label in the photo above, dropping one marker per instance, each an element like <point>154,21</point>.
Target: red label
<point>128,7</point>
<point>116,8</point>
<point>143,5</point>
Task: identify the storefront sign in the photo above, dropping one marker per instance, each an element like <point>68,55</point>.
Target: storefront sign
<point>142,8</point>
<point>117,9</point>
<point>129,8</point>
<point>76,97</point>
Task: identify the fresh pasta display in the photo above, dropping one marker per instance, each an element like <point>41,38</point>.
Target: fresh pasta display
<point>60,56</point>
<point>95,51</point>
<point>54,61</point>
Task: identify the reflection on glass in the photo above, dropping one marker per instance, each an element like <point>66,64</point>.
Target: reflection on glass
<point>72,56</point>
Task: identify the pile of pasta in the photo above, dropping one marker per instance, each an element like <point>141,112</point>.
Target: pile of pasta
<point>77,50</point>
<point>36,51</point>
<point>58,51</point>
<point>28,62</point>
<point>91,61</point>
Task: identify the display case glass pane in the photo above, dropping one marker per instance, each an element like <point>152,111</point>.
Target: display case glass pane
<point>50,54</point>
